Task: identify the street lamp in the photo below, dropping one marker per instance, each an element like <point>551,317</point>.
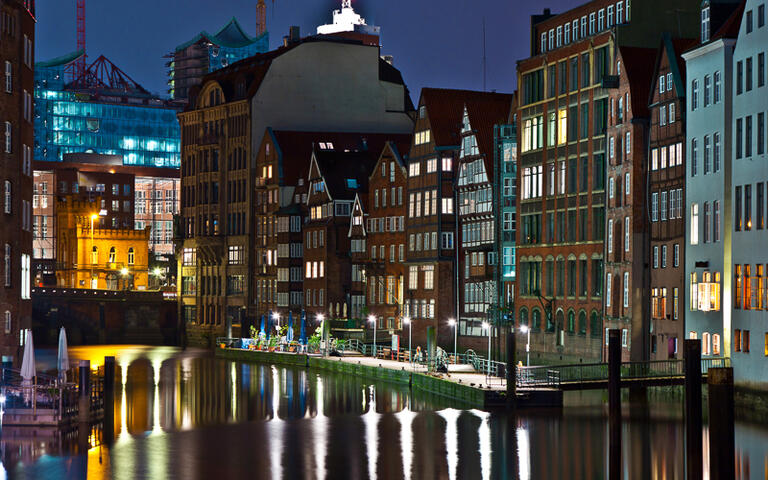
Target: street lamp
<point>372,319</point>
<point>94,282</point>
<point>452,323</point>
<point>407,320</point>
<point>526,330</point>
<point>488,326</point>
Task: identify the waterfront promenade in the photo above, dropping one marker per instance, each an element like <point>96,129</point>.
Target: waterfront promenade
<point>462,383</point>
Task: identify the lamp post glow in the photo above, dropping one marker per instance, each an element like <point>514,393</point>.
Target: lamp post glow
<point>407,320</point>
<point>321,318</point>
<point>488,326</point>
<point>452,323</point>
<point>372,319</point>
<point>526,330</point>
<point>94,282</point>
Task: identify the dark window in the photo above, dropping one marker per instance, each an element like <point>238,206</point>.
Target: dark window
<point>748,137</point>
<point>749,74</point>
<point>761,133</point>
<point>584,121</point>
<point>583,286</point>
<point>595,327</point>
<point>550,275</point>
<point>597,277</point>
<point>598,223</point>
<point>760,69</point>
<point>552,81</point>
<point>737,222</point>
<point>739,77</point>
<point>601,117</point>
<point>598,173</point>
<point>572,180</point>
<point>560,278</point>
<point>574,74</point>
<point>573,124</point>
<point>739,138</point>
<point>584,174</point>
<point>582,323</point>
<point>572,225</point>
<point>571,278</point>
<point>563,77</point>
<point>760,219</point>
<point>747,207</point>
<point>585,70</point>
<point>583,225</point>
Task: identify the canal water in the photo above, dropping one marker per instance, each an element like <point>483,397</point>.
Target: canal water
<point>188,415</point>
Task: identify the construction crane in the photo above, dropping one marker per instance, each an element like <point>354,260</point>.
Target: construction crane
<point>80,67</point>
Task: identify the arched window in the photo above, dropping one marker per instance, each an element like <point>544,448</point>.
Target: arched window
<point>95,255</point>
<point>131,256</point>
<point>571,322</point>
<point>560,320</point>
<point>112,255</point>
<point>595,329</point>
<point>582,323</point>
<point>523,316</point>
<point>536,318</point>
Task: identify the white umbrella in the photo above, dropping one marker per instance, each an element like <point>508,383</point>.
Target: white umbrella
<point>62,362</point>
<point>28,370</point>
<point>28,363</point>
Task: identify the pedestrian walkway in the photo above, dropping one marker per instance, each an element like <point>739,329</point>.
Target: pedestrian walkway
<point>458,373</point>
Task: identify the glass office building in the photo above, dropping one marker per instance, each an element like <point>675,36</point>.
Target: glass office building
<point>102,111</point>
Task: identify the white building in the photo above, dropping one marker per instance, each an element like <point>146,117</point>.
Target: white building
<point>347,20</point>
<point>750,173</point>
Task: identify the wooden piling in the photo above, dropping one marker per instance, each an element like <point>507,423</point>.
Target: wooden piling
<point>109,400</point>
<point>722,458</point>
<point>614,402</point>
<point>693,424</point>
<point>84,384</point>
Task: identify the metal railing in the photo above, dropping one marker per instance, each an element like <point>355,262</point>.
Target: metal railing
<point>556,375</point>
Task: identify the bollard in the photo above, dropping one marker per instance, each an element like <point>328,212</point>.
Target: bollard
<point>511,370</point>
<point>109,400</point>
<point>614,402</point>
<point>692,365</point>
<point>722,457</point>
<point>84,386</point>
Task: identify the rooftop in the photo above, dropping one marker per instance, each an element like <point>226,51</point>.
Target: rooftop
<point>230,35</point>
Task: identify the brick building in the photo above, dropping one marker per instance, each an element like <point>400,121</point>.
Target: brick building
<point>344,86</point>
<point>335,180</point>
<point>17,48</point>
<point>282,165</point>
<point>627,274</point>
<point>563,108</point>
<point>666,199</point>
<point>384,239</point>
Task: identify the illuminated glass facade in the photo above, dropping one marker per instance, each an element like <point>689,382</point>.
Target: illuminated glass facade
<point>139,127</point>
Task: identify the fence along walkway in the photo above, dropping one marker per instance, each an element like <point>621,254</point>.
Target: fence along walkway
<point>591,376</point>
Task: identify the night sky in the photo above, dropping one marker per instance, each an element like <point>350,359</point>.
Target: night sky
<point>435,43</point>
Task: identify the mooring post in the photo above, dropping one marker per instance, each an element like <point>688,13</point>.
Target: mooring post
<point>693,447</point>
<point>614,402</point>
<point>84,386</point>
<point>109,399</point>
<point>722,457</point>
<point>511,369</point>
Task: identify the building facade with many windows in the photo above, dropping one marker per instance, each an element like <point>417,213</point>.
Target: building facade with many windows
<point>709,113</point>
<point>667,174</point>
<point>563,119</point>
<point>749,190</point>
<point>17,37</point>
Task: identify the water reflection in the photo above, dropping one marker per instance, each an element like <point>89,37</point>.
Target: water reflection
<point>188,415</point>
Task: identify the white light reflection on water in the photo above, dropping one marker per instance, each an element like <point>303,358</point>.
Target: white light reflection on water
<point>406,440</point>
<point>371,421</point>
<point>524,453</point>
<point>319,426</point>
<point>276,427</point>
<point>451,417</point>
<point>484,434</point>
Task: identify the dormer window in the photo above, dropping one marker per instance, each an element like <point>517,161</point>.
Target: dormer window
<point>705,24</point>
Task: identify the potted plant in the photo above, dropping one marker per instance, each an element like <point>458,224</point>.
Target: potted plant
<point>273,340</point>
